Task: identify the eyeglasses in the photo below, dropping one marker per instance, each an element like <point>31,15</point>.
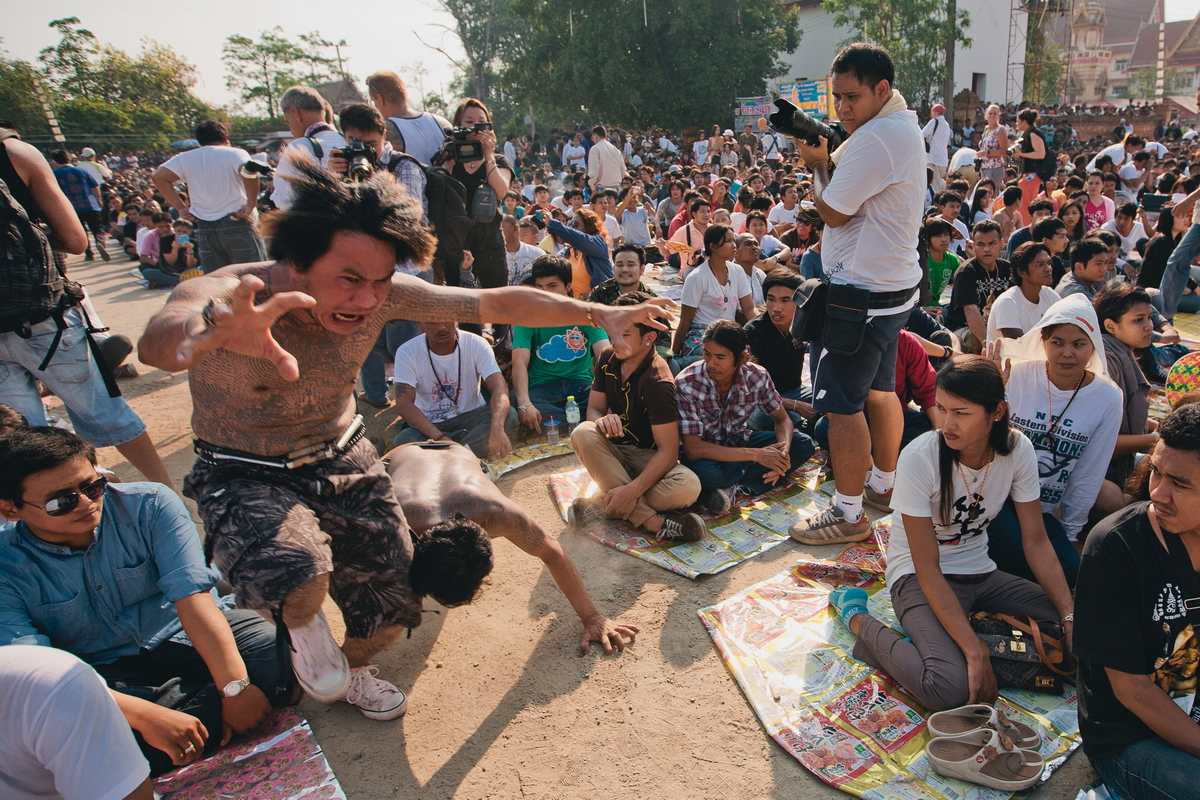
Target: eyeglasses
<point>67,502</point>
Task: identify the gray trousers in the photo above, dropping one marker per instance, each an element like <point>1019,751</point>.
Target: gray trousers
<point>228,241</point>
<point>471,429</point>
<point>931,667</point>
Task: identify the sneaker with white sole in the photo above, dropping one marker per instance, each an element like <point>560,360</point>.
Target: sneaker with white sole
<point>680,527</point>
<point>879,500</point>
<point>830,527</point>
<point>375,697</point>
<point>319,663</point>
<point>586,510</point>
<point>718,501</point>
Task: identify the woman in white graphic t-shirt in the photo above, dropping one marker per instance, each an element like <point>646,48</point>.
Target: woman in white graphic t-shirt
<point>950,484</point>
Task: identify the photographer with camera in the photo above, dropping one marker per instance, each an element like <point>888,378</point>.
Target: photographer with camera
<point>304,112</point>
<point>869,193</point>
<point>470,157</point>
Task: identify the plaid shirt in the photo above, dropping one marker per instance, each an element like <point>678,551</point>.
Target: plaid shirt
<point>701,412</point>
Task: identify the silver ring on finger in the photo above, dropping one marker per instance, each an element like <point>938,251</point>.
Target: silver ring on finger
<point>191,748</point>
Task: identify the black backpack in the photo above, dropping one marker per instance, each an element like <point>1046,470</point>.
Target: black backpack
<point>31,286</point>
<point>1047,168</point>
<point>447,201</point>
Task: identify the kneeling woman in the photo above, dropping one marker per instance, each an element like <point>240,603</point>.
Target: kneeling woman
<point>950,484</point>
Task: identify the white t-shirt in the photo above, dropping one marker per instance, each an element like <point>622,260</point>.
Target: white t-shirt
<point>880,180</point>
<point>700,149</point>
<point>635,227</point>
<point>963,157</point>
<point>757,276</point>
<point>711,300</point>
<point>213,178</point>
<point>510,152</point>
<point>937,133</point>
<point>1156,149</point>
<point>781,216</point>
<point>330,140</point>
<point>1071,473</point>
<point>1012,310</point>
<point>451,386</point>
<point>963,543</point>
<point>574,154</point>
<point>519,261</point>
<point>773,145</point>
<point>1114,151</point>
<point>57,714</point>
<point>1128,243</point>
<point>613,228</point>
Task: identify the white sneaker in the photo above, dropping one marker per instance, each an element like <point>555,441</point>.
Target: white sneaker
<point>375,698</point>
<point>319,663</point>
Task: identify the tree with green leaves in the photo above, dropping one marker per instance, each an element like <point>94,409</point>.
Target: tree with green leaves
<point>318,64</point>
<point>18,97</point>
<point>260,70</point>
<point>1143,83</point>
<point>660,62</point>
<point>915,32</point>
<point>488,34</point>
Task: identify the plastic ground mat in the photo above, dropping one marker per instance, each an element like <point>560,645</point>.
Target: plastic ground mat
<point>755,526</point>
<point>849,724</point>
<point>282,761</point>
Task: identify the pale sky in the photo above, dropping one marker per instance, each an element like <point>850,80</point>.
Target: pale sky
<point>380,37</point>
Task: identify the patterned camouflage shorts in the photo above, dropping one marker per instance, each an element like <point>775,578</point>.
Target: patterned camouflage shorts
<point>271,530</point>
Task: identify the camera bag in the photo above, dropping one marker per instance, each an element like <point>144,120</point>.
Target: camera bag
<point>845,319</point>
<point>810,309</point>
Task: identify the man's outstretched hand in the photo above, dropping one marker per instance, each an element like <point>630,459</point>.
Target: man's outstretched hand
<point>609,634</point>
<point>615,319</point>
<point>239,326</point>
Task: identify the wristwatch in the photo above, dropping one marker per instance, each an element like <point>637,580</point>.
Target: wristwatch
<point>234,688</point>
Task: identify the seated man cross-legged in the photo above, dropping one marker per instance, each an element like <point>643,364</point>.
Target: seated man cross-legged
<point>447,499</point>
<point>630,441</point>
<point>114,574</point>
<point>717,397</point>
<point>438,395</point>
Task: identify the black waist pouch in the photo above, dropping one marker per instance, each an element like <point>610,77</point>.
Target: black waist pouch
<point>845,319</point>
<point>810,309</point>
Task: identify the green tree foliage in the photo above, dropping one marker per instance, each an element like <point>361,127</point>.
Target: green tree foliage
<point>678,64</point>
<point>123,124</point>
<point>260,70</point>
<point>18,99</point>
<point>913,31</point>
<point>1142,83</point>
<point>489,34</point>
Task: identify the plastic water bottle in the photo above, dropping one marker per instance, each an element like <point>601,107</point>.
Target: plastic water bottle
<point>572,414</point>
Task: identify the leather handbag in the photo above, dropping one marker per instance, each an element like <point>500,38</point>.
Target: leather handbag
<point>1025,653</point>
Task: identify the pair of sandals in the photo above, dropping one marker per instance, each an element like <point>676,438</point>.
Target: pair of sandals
<point>979,744</point>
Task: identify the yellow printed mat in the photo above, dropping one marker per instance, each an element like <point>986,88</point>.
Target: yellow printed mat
<point>849,724</point>
<point>754,526</point>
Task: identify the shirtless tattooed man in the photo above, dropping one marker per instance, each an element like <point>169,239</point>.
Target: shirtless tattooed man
<point>295,502</point>
<point>435,481</point>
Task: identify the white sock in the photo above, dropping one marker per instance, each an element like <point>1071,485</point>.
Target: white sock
<point>850,506</point>
<point>881,481</point>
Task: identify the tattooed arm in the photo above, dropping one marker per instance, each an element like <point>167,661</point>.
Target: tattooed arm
<point>415,299</point>
<point>509,520</point>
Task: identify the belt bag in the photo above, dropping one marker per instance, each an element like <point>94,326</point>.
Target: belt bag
<point>810,309</point>
<point>845,319</point>
<point>1025,653</point>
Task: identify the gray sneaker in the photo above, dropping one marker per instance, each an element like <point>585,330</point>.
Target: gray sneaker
<point>680,527</point>
<point>881,501</point>
<point>830,527</point>
<point>718,501</point>
<point>586,510</point>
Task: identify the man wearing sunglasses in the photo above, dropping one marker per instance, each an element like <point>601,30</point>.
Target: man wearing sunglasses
<point>114,574</point>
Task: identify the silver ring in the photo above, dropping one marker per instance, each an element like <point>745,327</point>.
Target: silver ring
<point>191,748</point>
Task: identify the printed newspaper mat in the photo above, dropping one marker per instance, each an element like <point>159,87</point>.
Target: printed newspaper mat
<point>281,761</point>
<point>851,725</point>
<point>527,454</point>
<point>754,526</point>
<point>1188,326</point>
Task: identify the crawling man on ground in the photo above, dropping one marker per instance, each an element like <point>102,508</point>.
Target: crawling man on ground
<point>441,482</point>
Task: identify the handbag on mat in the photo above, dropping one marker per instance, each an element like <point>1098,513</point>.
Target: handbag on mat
<point>1025,653</point>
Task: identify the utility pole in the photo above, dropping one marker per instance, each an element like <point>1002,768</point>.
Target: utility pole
<point>337,48</point>
<point>948,84</point>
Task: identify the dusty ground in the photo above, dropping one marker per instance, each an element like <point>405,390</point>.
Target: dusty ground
<point>502,704</point>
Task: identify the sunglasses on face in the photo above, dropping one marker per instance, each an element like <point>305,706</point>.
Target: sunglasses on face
<point>67,502</point>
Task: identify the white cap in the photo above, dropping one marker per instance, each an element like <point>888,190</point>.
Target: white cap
<point>1073,309</point>
<point>87,152</point>
<point>728,132</point>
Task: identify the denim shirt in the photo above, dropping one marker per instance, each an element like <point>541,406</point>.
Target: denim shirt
<point>115,598</point>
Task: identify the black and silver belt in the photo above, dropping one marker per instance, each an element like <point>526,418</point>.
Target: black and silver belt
<point>891,299</point>
<point>322,451</point>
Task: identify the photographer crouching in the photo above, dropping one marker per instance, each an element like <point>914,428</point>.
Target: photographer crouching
<point>869,193</point>
<point>369,151</point>
<point>470,157</point>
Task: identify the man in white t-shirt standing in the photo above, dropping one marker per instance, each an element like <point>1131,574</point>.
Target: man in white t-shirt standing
<point>421,135</point>
<point>574,153</point>
<point>222,197</point>
<point>605,164</point>
<point>773,145</point>
<point>871,205</point>
<point>87,160</point>
<point>438,377</point>
<point>304,113</point>
<point>937,140</point>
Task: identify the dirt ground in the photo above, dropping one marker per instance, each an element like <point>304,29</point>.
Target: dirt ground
<point>502,704</point>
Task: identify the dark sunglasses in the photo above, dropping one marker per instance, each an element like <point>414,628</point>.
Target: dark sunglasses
<point>66,503</point>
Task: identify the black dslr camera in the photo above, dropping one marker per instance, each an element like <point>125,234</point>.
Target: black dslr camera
<point>461,149</point>
<point>794,122</point>
<point>360,159</point>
